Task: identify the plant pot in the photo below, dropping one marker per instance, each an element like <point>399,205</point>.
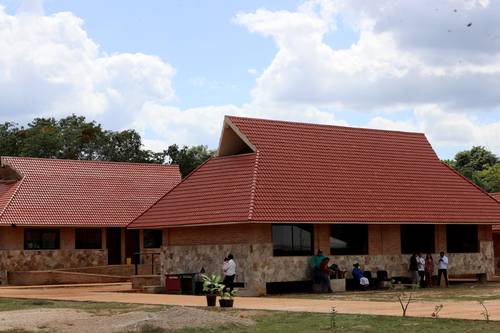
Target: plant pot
<point>211,300</point>
<point>226,303</point>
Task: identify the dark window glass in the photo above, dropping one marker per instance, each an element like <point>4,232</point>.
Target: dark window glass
<point>348,239</point>
<point>41,239</point>
<point>153,238</point>
<point>88,238</point>
<point>292,239</point>
<point>417,238</point>
<point>462,238</point>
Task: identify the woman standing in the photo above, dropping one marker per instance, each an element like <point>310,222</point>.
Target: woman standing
<point>429,269</point>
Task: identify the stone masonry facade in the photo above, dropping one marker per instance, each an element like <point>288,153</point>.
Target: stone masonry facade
<point>253,251</point>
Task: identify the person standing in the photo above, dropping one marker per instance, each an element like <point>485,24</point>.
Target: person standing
<point>443,268</point>
<point>229,269</point>
<point>429,269</point>
<point>421,269</point>
<point>414,268</point>
<point>314,263</point>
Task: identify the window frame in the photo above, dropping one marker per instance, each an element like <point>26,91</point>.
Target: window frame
<point>293,253</point>
<point>350,252</point>
<point>41,232</point>
<point>453,250</point>
<point>144,238</point>
<point>78,246</point>
<point>413,235</point>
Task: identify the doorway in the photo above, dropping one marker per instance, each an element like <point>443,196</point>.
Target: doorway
<point>113,242</point>
<point>132,244</point>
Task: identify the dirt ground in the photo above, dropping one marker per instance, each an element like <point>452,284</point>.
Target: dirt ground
<point>71,320</point>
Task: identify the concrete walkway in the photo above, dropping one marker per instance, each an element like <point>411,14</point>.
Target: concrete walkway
<point>122,293</point>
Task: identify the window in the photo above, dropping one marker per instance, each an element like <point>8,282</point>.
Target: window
<point>292,239</point>
<point>41,239</point>
<point>462,238</point>
<point>88,238</point>
<point>346,239</point>
<point>417,238</point>
<point>153,238</point>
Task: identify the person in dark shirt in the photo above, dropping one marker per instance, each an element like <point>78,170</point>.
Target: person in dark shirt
<point>324,274</point>
<point>414,269</point>
<point>357,273</point>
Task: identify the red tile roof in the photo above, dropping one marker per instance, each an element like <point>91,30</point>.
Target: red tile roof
<point>324,174</point>
<point>73,193</point>
<point>496,196</point>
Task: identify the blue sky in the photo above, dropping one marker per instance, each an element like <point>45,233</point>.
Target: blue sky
<point>172,69</point>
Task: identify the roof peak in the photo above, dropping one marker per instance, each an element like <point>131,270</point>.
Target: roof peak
<point>289,122</point>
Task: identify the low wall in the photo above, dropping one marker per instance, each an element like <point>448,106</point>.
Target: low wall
<point>34,260</point>
<point>33,278</point>
<point>256,264</point>
<point>140,281</point>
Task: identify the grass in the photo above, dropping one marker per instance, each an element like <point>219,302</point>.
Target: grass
<point>458,292</point>
<point>281,322</point>
<point>97,308</point>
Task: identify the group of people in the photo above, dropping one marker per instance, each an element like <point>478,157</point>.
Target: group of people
<point>422,269</point>
<point>321,271</point>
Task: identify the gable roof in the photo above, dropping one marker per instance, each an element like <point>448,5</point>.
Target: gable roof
<point>296,172</point>
<point>80,193</point>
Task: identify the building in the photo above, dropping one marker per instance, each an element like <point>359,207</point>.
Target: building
<point>496,238</point>
<point>277,191</point>
<point>67,213</point>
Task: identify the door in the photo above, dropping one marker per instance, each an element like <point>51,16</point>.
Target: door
<point>113,242</point>
<point>132,245</point>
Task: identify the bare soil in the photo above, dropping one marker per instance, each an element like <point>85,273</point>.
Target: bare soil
<point>71,320</point>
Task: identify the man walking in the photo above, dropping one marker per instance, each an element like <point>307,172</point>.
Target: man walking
<point>421,269</point>
<point>414,268</point>
<point>443,268</point>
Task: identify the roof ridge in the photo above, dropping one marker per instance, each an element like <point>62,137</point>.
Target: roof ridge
<point>21,182</point>
<point>253,187</point>
<point>324,125</point>
<point>68,160</point>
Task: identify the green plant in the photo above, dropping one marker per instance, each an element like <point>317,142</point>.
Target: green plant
<point>226,294</point>
<point>212,284</point>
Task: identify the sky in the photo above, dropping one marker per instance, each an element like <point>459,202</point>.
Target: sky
<point>173,69</point>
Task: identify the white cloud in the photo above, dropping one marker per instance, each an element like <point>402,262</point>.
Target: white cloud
<point>400,59</point>
<point>49,66</point>
<point>445,128</point>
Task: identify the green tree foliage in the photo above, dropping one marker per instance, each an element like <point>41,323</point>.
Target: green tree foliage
<point>479,165</point>
<point>188,158</point>
<point>75,138</point>
<point>490,178</point>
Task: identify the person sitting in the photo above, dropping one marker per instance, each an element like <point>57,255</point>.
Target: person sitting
<point>359,278</point>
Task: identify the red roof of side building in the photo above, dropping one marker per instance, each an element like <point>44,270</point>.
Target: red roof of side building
<point>54,192</point>
<point>496,196</point>
<point>321,174</point>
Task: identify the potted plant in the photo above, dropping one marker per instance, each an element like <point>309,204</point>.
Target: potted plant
<point>226,298</point>
<point>211,288</point>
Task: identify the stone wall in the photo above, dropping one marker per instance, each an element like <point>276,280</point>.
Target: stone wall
<point>28,260</point>
<point>257,265</point>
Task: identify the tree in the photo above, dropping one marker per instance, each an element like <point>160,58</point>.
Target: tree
<point>9,139</point>
<point>469,161</point>
<point>40,139</point>
<point>480,166</point>
<point>188,158</point>
<point>79,139</point>
<point>489,178</point>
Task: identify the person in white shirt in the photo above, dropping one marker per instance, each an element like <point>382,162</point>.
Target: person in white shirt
<point>421,268</point>
<point>443,268</point>
<point>229,269</point>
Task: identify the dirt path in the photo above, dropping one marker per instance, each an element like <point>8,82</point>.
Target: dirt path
<point>71,321</point>
<point>121,293</point>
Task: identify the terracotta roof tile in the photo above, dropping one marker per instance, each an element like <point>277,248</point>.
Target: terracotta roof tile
<point>69,192</point>
<point>321,173</point>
